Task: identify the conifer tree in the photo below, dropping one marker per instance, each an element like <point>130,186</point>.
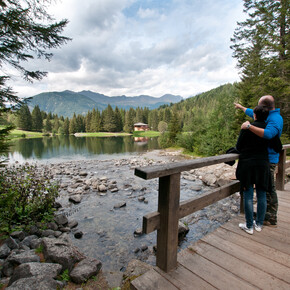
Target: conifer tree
<point>118,119</point>
<point>24,118</point>
<point>37,123</point>
<point>73,125</point>
<point>261,45</point>
<point>66,126</point>
<point>109,120</point>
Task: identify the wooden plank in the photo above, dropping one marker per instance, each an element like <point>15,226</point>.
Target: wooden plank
<point>151,280</point>
<point>167,234</point>
<point>265,240</point>
<point>150,172</point>
<point>192,205</point>
<point>212,273</point>
<point>249,243</point>
<point>280,177</point>
<point>151,222</point>
<point>248,256</point>
<point>183,279</point>
<point>235,265</point>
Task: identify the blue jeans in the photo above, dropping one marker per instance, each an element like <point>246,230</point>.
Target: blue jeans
<point>261,206</point>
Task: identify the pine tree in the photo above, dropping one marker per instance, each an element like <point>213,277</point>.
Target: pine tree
<point>129,121</point>
<point>118,119</point>
<point>24,118</point>
<point>109,120</point>
<point>174,126</point>
<point>66,126</point>
<point>73,125</point>
<point>37,123</point>
<point>261,45</point>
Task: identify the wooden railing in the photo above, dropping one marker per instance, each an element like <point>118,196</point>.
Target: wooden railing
<point>170,210</point>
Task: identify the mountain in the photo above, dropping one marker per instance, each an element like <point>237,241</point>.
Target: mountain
<point>67,103</point>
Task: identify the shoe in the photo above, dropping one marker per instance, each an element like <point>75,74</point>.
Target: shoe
<point>244,227</point>
<point>257,228</point>
<point>270,224</point>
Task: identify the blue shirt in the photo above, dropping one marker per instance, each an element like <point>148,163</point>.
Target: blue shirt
<point>274,127</point>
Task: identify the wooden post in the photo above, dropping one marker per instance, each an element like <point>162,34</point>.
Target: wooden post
<point>167,235</point>
<point>280,177</point>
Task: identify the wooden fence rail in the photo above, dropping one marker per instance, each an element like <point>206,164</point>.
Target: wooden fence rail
<point>170,210</point>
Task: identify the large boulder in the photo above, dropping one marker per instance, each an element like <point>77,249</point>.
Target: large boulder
<point>61,251</point>
<point>35,269</point>
<point>23,257</point>
<point>35,283</point>
<point>85,269</point>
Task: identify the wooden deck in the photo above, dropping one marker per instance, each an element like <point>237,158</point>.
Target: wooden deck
<point>229,258</point>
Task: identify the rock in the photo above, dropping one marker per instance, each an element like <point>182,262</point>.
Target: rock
<point>61,219</point>
<point>138,232</point>
<point>209,179</point>
<point>34,244</point>
<point>47,233</point>
<point>24,257</point>
<point>27,240</point>
<point>83,173</point>
<point>114,189</point>
<point>52,226</point>
<point>196,187</point>
<point>4,251</point>
<point>182,230</point>
<point>141,198</point>
<point>35,269</point>
<point>78,234</point>
<point>137,250</point>
<point>36,283</point>
<point>134,269</point>
<point>34,230</point>
<point>61,251</point>
<point>144,248</point>
<point>11,243</point>
<point>20,235</point>
<point>85,269</point>
<point>102,188</point>
<point>72,224</point>
<point>119,205</point>
<point>95,185</point>
<point>75,198</point>
<point>104,179</point>
<point>7,269</point>
<point>65,229</point>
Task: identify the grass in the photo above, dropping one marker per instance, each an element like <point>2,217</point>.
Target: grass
<point>146,134</point>
<point>27,134</point>
<point>101,134</point>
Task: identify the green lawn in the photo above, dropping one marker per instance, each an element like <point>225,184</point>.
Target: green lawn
<point>146,134</point>
<point>28,134</point>
<point>101,134</point>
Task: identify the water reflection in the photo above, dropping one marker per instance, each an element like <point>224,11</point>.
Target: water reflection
<point>71,147</point>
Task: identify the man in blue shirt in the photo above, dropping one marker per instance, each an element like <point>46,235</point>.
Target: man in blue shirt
<point>274,127</point>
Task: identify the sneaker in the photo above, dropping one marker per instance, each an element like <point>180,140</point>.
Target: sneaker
<point>257,228</point>
<point>244,227</point>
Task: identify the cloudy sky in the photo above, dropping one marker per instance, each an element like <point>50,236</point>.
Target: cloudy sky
<point>135,47</point>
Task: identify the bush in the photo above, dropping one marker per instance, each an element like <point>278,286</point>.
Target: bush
<point>27,196</point>
<point>165,141</point>
<point>186,140</point>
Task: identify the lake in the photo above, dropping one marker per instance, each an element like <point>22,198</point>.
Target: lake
<point>66,148</point>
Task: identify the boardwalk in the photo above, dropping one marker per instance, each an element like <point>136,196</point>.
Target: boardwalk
<point>229,258</point>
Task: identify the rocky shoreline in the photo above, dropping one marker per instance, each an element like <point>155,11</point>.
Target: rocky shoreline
<point>112,189</point>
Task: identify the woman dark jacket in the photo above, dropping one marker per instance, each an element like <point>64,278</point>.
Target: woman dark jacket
<point>253,166</point>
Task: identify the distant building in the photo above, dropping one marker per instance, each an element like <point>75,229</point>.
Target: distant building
<point>141,127</point>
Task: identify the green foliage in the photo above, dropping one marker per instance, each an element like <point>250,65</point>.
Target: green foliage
<point>162,126</point>
<point>261,45</point>
<point>24,118</point>
<point>26,195</point>
<point>186,140</point>
<point>165,141</point>
<point>39,249</point>
<point>65,276</point>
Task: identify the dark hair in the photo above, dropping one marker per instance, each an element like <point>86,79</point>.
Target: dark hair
<point>261,113</point>
<point>268,103</point>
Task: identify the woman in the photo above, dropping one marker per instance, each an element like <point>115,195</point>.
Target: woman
<point>253,168</point>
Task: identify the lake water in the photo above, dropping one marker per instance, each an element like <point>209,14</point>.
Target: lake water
<point>66,148</point>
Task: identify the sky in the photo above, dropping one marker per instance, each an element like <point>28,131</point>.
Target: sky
<point>133,47</point>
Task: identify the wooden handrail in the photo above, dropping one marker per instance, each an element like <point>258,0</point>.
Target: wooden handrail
<point>170,210</point>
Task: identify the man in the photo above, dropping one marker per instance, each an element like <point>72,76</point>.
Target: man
<point>274,127</point>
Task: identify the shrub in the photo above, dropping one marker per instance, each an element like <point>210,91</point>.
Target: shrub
<point>186,140</point>
<point>165,141</point>
<point>27,196</point>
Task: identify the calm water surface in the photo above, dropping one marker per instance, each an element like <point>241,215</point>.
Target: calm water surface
<point>66,148</point>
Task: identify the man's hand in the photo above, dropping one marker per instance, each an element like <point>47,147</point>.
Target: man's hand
<point>245,125</point>
<point>239,106</point>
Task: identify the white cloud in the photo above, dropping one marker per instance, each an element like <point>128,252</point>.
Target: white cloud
<point>141,47</point>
